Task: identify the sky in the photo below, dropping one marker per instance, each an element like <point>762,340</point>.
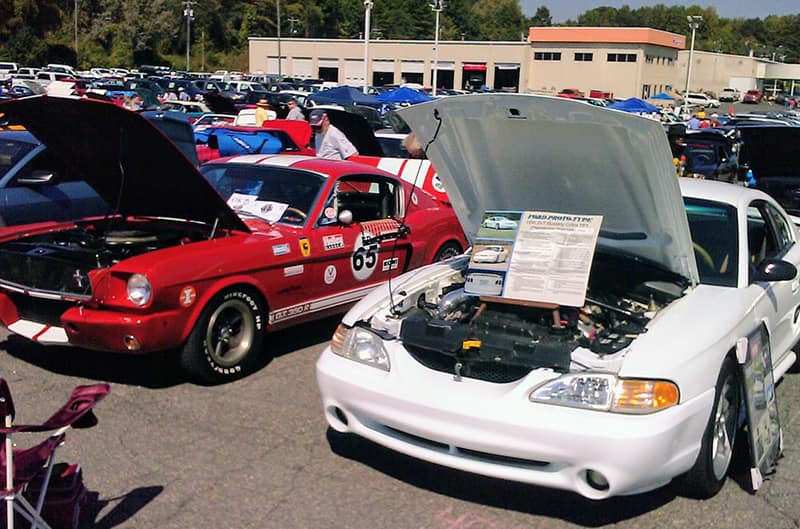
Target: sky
<point>562,10</point>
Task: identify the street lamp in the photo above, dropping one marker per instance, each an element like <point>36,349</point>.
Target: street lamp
<point>188,12</point>
<point>278,10</point>
<point>437,6</point>
<point>694,23</point>
<point>76,34</point>
<point>368,9</point>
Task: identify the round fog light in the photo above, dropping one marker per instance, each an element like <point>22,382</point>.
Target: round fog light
<point>596,480</point>
<point>131,343</point>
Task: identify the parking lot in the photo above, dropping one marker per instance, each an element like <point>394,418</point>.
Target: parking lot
<point>258,453</point>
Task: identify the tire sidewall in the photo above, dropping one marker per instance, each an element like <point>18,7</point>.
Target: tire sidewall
<point>196,359</point>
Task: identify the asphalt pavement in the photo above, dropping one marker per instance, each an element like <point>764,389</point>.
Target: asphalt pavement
<point>257,453</point>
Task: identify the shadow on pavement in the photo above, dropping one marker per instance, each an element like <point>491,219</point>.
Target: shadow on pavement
<point>155,370</point>
<point>495,492</point>
<point>129,504</point>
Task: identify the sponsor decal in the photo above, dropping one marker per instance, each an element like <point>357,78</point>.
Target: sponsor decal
<point>291,312</point>
<point>389,264</point>
<point>330,213</point>
<point>364,258</point>
<point>414,199</point>
<point>295,270</point>
<point>437,184</point>
<point>333,242</point>
<point>281,249</point>
<point>330,274</point>
<point>188,296</point>
<point>305,246</point>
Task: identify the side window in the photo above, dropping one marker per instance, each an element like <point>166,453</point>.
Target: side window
<point>783,232</point>
<point>761,241</point>
<point>366,197</point>
<point>44,168</point>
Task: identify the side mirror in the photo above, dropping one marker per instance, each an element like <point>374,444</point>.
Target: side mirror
<point>213,141</point>
<point>346,217</point>
<point>770,270</point>
<point>37,177</point>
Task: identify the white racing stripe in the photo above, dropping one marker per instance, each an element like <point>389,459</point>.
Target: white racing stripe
<point>295,311</point>
<point>26,328</point>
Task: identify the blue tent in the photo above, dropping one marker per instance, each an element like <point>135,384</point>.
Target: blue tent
<point>634,105</point>
<point>663,96</point>
<point>344,95</point>
<point>403,95</point>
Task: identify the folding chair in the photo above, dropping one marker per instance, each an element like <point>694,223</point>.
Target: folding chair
<point>23,466</point>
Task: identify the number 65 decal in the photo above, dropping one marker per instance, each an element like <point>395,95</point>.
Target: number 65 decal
<point>364,259</point>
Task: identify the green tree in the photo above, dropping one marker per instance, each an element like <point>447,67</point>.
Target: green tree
<point>541,18</point>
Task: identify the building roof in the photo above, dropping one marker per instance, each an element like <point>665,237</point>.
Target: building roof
<point>607,36</point>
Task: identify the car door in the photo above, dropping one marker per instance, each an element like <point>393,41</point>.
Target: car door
<point>354,256</point>
<point>769,235</point>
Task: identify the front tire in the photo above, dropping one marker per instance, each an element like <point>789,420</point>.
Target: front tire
<point>710,470</point>
<point>226,340</point>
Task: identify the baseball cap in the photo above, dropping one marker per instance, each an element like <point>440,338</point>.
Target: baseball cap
<point>315,120</point>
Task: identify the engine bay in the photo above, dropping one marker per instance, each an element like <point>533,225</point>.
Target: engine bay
<point>448,330</point>
<point>60,261</point>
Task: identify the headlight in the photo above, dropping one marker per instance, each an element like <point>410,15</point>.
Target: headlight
<point>606,392</point>
<point>139,290</point>
<point>360,345</point>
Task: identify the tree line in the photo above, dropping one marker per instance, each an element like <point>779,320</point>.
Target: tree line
<point>133,32</point>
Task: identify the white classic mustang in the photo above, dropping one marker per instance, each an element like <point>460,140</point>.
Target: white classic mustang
<point>636,387</point>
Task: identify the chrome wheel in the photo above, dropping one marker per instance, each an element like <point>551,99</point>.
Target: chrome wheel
<point>230,333</point>
<point>724,429</point>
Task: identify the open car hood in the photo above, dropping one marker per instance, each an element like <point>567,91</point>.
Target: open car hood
<point>123,157</point>
<point>771,150</point>
<point>520,152</point>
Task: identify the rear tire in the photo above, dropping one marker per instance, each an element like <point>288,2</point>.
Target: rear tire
<point>710,470</point>
<point>447,250</point>
<point>226,340</point>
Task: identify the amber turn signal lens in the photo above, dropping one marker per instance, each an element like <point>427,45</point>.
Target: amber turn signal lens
<point>644,396</point>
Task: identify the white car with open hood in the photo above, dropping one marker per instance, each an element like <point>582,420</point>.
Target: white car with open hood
<point>619,394</point>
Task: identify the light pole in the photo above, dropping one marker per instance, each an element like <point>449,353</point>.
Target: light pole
<point>437,6</point>
<point>694,23</point>
<point>188,12</point>
<point>278,10</point>
<point>368,10</point>
<point>76,33</point>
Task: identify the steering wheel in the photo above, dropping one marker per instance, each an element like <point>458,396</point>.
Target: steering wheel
<point>704,257</point>
<point>297,212</point>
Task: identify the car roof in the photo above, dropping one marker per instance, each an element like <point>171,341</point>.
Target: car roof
<point>325,167</point>
<point>724,192</point>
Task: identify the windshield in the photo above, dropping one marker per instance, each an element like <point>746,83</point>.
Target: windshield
<point>274,194</point>
<point>715,241</point>
<point>11,152</point>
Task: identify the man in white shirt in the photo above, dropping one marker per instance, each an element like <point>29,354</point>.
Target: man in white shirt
<point>294,111</point>
<point>330,142</point>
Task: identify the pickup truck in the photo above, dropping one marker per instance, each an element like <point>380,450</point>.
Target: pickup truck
<point>730,95</point>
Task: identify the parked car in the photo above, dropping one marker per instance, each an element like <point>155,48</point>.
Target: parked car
<point>570,93</point>
<point>490,254</point>
<point>712,154</point>
<point>770,151</point>
<point>753,96</point>
<point>205,263</point>
<point>8,70</point>
<point>498,222</point>
<point>618,394</point>
<point>703,100</point>
<point>730,95</point>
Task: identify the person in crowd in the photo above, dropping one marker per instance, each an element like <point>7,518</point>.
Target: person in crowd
<point>694,122</point>
<point>294,111</point>
<point>413,146</point>
<point>262,112</point>
<point>331,143</point>
<point>170,96</point>
<point>182,94</point>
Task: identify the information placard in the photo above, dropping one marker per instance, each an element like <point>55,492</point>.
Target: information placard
<point>763,425</point>
<point>535,256</point>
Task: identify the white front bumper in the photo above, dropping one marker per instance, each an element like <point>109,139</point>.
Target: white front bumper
<point>494,430</point>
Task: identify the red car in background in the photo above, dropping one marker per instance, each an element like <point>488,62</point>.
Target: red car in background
<point>753,97</point>
<point>570,93</point>
<point>205,264</point>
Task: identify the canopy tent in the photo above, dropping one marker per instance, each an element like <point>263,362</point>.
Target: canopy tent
<point>634,104</point>
<point>663,96</point>
<point>403,95</point>
<point>344,95</point>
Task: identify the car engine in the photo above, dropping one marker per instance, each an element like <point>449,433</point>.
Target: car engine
<point>60,261</point>
<point>448,330</point>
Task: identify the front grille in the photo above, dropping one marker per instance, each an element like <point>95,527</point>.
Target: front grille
<point>46,268</point>
<point>476,454</point>
<point>496,372</point>
<point>45,311</point>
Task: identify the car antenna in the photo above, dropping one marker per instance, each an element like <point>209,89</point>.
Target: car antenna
<point>436,116</point>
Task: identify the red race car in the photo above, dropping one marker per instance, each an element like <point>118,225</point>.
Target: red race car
<point>204,265</point>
